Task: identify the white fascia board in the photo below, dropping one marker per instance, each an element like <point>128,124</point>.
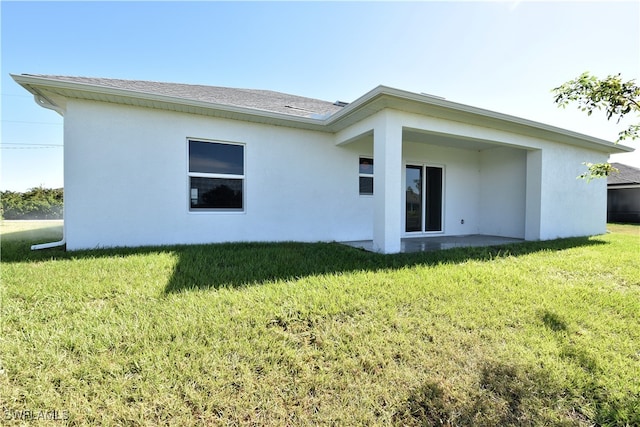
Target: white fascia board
<point>622,186</point>
<point>40,98</point>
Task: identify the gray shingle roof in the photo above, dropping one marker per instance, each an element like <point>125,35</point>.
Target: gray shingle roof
<point>626,175</point>
<point>265,100</point>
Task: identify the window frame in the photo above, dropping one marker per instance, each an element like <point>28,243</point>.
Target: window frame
<point>443,187</point>
<point>366,175</point>
<point>190,175</point>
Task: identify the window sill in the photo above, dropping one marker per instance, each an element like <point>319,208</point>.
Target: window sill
<point>216,211</point>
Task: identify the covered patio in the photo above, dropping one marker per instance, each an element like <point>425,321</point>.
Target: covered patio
<point>437,243</point>
<point>442,184</point>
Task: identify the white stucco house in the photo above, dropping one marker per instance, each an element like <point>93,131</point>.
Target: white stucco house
<point>148,163</point>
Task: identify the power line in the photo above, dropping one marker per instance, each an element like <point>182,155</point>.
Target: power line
<point>16,146</point>
<point>15,94</point>
<point>29,143</point>
<point>31,123</point>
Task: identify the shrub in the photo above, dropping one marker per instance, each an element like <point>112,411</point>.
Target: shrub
<point>36,203</point>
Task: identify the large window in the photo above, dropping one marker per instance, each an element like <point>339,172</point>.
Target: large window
<point>216,176</point>
<point>366,176</point>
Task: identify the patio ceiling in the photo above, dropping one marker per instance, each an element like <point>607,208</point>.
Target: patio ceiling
<point>435,138</point>
<point>444,140</point>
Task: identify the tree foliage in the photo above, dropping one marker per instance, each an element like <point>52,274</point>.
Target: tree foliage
<point>597,170</point>
<point>36,203</point>
<point>617,97</point>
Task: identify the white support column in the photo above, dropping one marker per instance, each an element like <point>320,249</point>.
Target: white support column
<point>387,167</point>
<point>533,198</point>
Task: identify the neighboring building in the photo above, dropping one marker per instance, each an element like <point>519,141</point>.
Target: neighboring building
<point>623,194</point>
<point>150,163</point>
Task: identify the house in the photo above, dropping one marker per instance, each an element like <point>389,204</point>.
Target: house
<point>149,163</point>
<point>623,194</point>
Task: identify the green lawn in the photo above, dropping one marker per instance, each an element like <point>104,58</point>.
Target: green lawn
<point>544,333</point>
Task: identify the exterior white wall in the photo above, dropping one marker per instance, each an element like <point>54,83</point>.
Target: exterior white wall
<point>126,181</point>
<point>568,206</point>
<point>533,195</point>
<point>536,194</point>
<point>556,204</point>
<point>502,207</point>
<point>461,184</point>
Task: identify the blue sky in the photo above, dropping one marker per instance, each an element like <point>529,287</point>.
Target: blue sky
<point>503,56</point>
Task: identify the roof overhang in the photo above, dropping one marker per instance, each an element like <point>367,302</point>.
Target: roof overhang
<point>623,186</point>
<point>54,93</point>
<point>386,97</point>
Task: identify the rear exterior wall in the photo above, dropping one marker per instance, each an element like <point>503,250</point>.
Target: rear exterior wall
<point>126,181</point>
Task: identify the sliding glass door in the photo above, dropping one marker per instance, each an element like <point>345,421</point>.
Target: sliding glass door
<point>423,198</point>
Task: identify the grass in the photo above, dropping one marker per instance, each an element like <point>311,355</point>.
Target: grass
<point>541,333</point>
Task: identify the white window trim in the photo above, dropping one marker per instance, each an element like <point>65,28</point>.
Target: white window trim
<point>365,175</point>
<point>215,211</point>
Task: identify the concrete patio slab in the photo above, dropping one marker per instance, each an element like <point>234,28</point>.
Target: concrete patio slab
<point>436,243</point>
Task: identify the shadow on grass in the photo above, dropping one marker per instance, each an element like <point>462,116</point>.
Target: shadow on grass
<point>44,231</point>
<point>241,264</point>
<point>504,395</point>
<point>509,394</point>
<point>554,321</point>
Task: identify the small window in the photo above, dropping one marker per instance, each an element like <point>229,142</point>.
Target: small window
<point>366,176</point>
<point>216,176</point>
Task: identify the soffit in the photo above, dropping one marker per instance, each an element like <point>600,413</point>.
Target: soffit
<point>444,140</point>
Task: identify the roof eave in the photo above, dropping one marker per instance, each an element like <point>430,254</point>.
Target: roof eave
<point>362,107</point>
<point>390,93</point>
<point>34,85</point>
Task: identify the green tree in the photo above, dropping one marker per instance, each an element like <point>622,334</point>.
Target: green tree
<point>36,203</point>
<point>617,97</point>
